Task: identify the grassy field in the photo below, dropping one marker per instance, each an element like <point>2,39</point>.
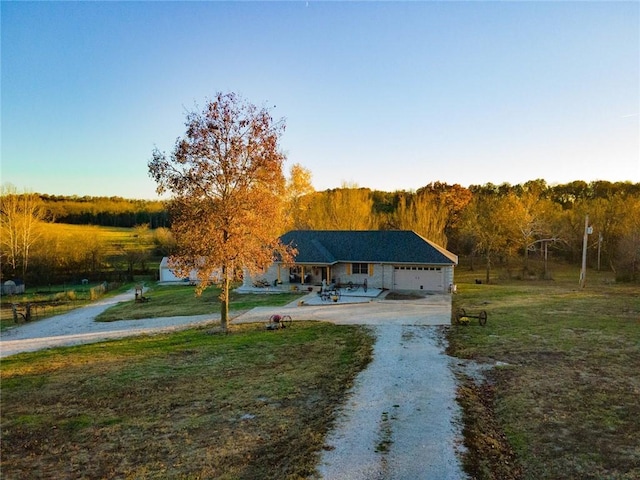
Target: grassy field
<point>65,239</point>
<point>178,300</point>
<point>253,404</point>
<point>113,238</point>
<point>559,398</point>
<point>563,398</point>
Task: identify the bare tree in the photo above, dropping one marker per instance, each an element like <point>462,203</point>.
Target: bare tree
<point>21,216</point>
<point>226,178</point>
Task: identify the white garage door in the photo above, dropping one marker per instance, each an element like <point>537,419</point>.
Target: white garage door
<point>419,278</point>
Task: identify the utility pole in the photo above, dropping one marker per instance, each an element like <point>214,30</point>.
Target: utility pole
<point>585,240</point>
<point>599,248</point>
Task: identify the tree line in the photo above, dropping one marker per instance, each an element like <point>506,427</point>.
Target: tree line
<point>506,225</point>
<point>488,225</point>
<point>35,247</point>
<point>105,211</point>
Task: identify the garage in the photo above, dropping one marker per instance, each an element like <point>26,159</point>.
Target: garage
<point>418,277</point>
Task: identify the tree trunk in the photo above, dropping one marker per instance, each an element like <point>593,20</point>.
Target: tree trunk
<point>488,276</point>
<point>224,303</point>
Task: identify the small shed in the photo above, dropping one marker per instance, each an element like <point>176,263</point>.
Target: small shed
<point>167,275</point>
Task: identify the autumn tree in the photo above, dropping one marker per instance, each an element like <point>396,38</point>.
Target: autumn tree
<point>225,177</point>
<point>425,215</point>
<point>345,208</point>
<point>298,194</point>
<point>164,241</point>
<point>21,218</point>
<point>137,252</point>
<point>489,222</point>
<point>627,264</point>
<point>535,218</point>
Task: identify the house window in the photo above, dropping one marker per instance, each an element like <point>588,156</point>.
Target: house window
<point>360,268</point>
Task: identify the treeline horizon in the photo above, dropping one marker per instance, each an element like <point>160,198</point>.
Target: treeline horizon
<point>116,211</point>
<point>103,211</point>
<point>506,226</point>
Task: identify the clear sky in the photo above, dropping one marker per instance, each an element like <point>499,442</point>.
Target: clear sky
<point>388,95</point>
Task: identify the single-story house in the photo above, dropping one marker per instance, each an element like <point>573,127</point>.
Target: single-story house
<point>386,259</point>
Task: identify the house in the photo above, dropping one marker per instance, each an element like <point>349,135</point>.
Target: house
<point>386,259</point>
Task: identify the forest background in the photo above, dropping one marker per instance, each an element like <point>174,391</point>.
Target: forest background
<point>515,229</point>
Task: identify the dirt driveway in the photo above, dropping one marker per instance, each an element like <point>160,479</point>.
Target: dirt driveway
<point>400,422</point>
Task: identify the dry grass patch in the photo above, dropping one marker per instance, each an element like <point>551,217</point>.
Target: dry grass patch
<point>251,404</point>
<point>565,393</point>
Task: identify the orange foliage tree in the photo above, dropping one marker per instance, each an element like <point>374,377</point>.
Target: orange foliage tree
<point>227,186</point>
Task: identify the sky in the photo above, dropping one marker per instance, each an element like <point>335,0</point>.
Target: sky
<point>385,95</point>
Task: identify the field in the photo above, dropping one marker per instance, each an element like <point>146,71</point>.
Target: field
<point>248,405</point>
<point>550,389</point>
<point>113,238</point>
<point>65,241</point>
<point>563,397</point>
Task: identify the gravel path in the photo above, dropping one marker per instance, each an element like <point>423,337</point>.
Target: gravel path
<point>78,326</point>
<point>401,420</point>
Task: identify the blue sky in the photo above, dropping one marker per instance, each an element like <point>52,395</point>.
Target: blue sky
<point>388,95</point>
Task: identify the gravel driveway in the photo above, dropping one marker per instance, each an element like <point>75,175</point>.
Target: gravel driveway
<point>77,327</point>
<point>401,420</point>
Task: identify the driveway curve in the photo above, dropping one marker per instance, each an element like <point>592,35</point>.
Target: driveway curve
<point>400,421</point>
<point>78,326</point>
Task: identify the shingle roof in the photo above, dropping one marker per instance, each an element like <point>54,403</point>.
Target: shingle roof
<point>366,246</point>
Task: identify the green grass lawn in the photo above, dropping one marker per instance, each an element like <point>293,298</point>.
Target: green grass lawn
<point>180,300</point>
<point>253,404</point>
<point>564,400</point>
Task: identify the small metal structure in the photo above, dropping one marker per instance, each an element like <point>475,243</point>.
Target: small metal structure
<point>330,295</point>
<point>276,322</point>
<point>140,298</point>
<point>463,318</point>
<point>23,311</point>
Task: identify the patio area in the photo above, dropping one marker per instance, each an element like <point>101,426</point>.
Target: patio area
<point>316,296</point>
<point>341,296</point>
